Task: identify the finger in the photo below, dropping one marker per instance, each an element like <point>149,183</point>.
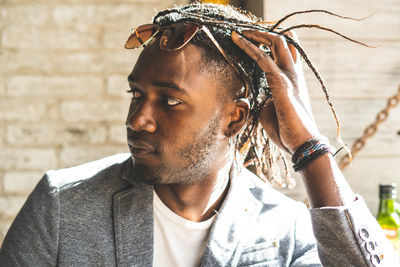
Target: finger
<point>301,95</point>
<point>293,51</point>
<point>277,44</point>
<point>274,75</point>
<point>262,59</point>
<point>272,72</point>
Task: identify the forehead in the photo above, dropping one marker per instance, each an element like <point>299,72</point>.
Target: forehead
<point>181,67</point>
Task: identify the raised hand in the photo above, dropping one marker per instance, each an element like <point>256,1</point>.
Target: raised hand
<point>287,117</point>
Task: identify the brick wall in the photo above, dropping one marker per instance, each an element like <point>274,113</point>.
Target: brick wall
<point>63,74</point>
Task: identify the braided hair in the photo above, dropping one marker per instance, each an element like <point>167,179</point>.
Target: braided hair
<point>253,147</point>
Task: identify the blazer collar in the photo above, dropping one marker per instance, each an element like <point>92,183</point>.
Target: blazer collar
<point>133,222</point>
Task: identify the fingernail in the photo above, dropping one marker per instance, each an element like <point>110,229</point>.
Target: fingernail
<point>236,34</point>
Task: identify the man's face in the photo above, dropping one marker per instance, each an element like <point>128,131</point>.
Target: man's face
<point>176,120</point>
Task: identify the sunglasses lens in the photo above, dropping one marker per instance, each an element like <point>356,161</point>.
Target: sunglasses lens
<point>140,36</point>
<point>176,37</point>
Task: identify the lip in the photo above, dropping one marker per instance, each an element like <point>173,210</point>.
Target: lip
<point>140,149</point>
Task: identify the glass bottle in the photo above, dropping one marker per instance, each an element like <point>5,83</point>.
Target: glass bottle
<point>397,207</point>
<point>388,217</point>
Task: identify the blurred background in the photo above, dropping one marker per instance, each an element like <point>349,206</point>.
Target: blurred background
<point>63,72</point>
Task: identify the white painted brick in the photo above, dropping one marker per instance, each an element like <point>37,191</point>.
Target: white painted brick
<point>84,133</point>
<point>40,159</point>
<point>117,85</point>
<point>73,15</point>
<point>27,15</point>
<point>73,155</point>
<point>9,206</point>
<point>277,9</point>
<point>76,62</point>
<point>382,145</point>
<point>119,16</point>
<point>95,111</point>
<point>119,61</point>
<point>115,39</point>
<point>55,86</point>
<point>2,86</point>
<point>55,134</point>
<point>354,116</point>
<point>26,110</point>
<point>17,61</point>
<point>2,134</point>
<point>62,38</point>
<point>117,134</point>
<point>20,182</point>
<point>351,71</point>
<point>2,173</point>
<point>127,13</point>
<point>3,15</point>
<point>358,86</point>
<point>151,3</point>
<point>384,24</point>
<point>50,62</point>
<point>342,57</point>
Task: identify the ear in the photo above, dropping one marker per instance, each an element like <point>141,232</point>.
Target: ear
<point>239,115</point>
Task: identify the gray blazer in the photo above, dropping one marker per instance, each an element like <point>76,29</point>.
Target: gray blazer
<point>98,214</point>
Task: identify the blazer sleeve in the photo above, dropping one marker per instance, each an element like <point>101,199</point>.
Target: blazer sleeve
<point>350,236</point>
<point>32,239</point>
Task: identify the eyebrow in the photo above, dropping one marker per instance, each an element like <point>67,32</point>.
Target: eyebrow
<point>170,85</point>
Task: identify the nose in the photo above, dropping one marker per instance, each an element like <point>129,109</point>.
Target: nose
<point>141,117</point>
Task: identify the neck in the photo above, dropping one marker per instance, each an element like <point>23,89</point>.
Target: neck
<point>199,201</point>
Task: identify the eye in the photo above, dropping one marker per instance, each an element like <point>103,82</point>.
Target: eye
<point>136,94</point>
<point>170,101</point>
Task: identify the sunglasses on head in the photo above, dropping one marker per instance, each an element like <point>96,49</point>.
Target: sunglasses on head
<point>174,37</point>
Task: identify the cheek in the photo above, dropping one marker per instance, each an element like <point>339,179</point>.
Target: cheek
<point>179,132</point>
<point>175,131</point>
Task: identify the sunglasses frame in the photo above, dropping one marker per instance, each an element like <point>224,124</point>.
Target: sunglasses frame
<point>158,29</point>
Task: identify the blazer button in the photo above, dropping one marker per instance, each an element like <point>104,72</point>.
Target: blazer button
<point>375,260</point>
<point>370,247</point>
<point>363,234</point>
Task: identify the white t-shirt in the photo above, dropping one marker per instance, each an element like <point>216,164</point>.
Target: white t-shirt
<point>177,242</point>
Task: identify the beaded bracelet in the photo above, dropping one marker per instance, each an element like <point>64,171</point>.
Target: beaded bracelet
<point>309,151</point>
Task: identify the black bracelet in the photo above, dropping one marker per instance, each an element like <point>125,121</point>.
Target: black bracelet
<point>304,147</point>
<point>306,160</point>
<point>309,151</point>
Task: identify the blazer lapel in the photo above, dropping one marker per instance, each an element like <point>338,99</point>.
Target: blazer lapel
<point>235,219</point>
<point>133,224</point>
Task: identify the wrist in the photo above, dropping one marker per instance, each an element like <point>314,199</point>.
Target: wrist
<point>309,151</point>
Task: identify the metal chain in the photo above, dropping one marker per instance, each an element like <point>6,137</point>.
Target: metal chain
<point>370,130</point>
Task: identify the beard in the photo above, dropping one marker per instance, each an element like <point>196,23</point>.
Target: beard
<point>196,160</point>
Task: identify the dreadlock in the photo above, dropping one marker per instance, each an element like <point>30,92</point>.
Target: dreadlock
<point>252,145</point>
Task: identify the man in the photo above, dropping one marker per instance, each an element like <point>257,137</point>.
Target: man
<point>182,197</point>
